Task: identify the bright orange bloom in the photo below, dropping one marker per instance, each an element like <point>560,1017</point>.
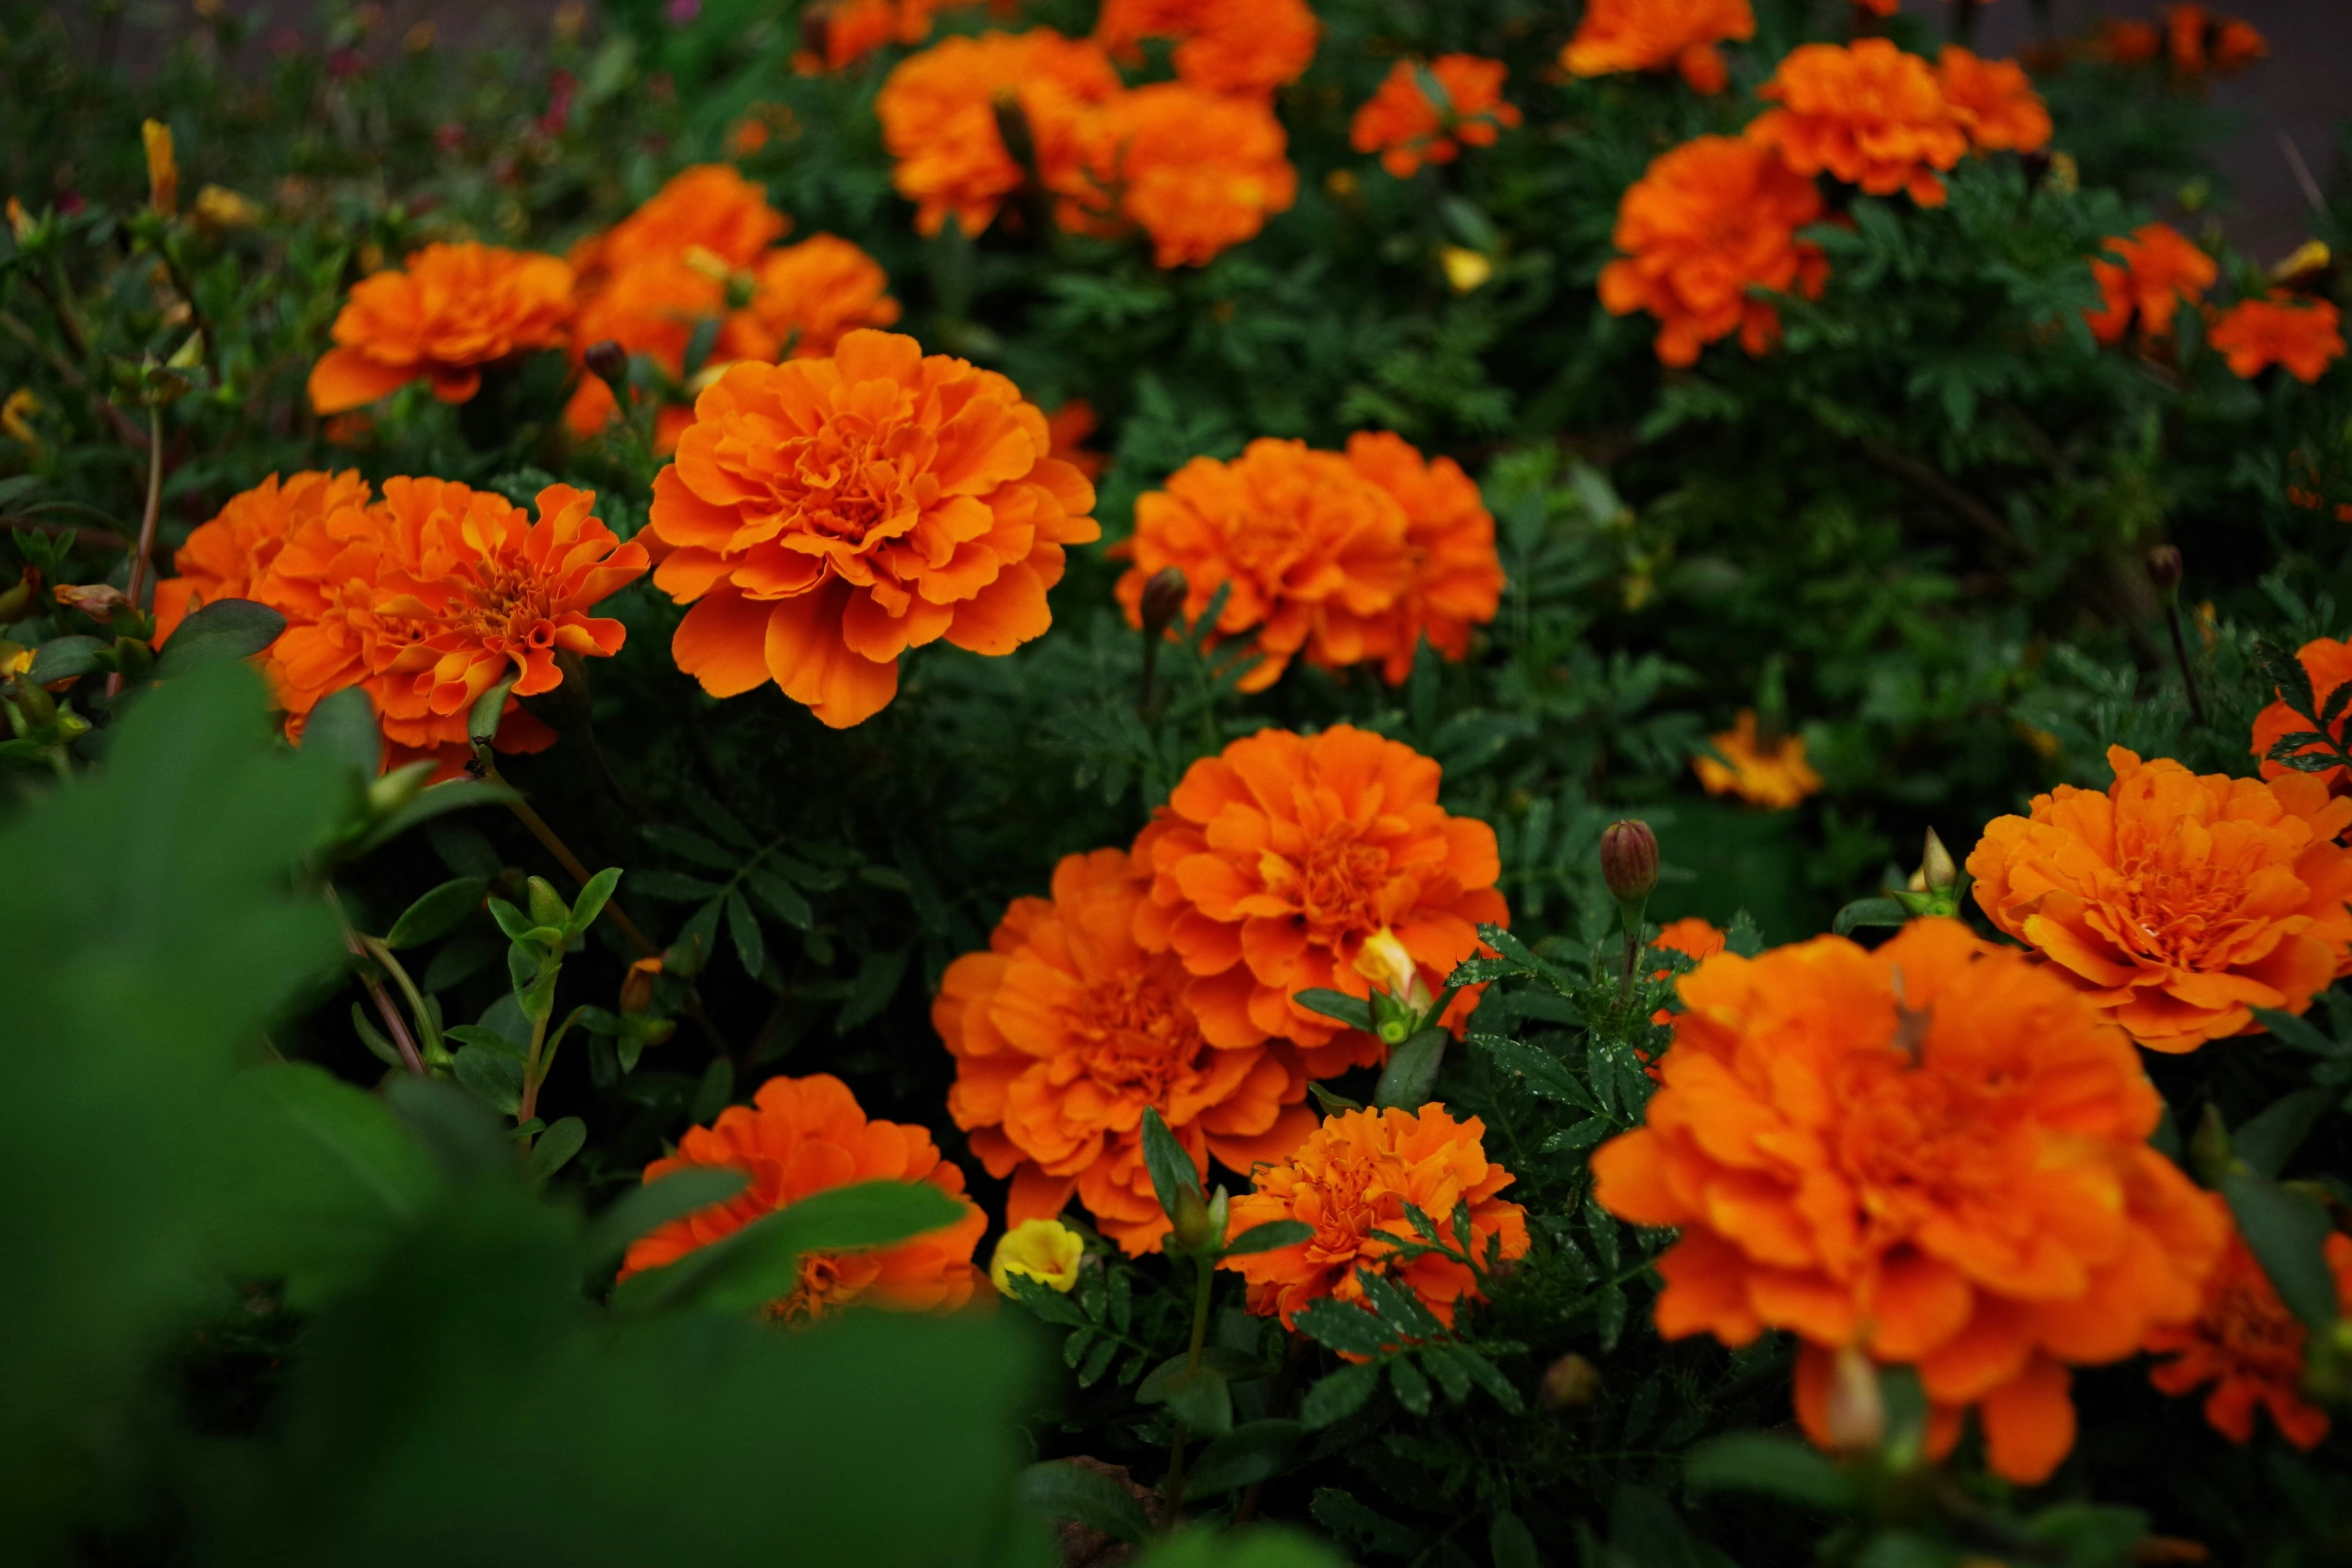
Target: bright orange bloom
<point>1246,48</point>
<point>2250,1348</point>
<point>1865,112</point>
<point>456,308</point>
<point>2159,268</point>
<point>805,297</point>
<point>1351,1180</point>
<point>230,557</point>
<point>1316,553</point>
<point>1935,1152</point>
<point>1407,130</point>
<point>1198,172</point>
<point>854,28</point>
<point>1692,937</point>
<point>938,111</point>
<point>2177,902</point>
<point>1457,579</point>
<point>2294,330</point>
<point>2326,660</point>
<point>800,1136</point>
<point>823,516</point>
<point>706,207</point>
<point>649,308</point>
<point>1772,774</point>
<point>1658,35</point>
<point>1069,426</point>
<point>1994,103</point>
<point>1707,223</point>
<point>1065,1030</point>
<point>2197,40</point>
<point>1274,861</point>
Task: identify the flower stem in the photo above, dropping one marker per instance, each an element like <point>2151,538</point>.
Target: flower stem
<point>1172,1496</point>
<point>401,1039</point>
<point>146,545</point>
<point>2181,654</point>
<point>572,866</point>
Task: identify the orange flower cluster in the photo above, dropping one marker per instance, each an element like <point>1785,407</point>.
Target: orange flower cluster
<point>1066,1029</point>
<point>454,310</point>
<point>1709,221</point>
<point>823,516</point>
<point>1934,1154</point>
<point>2157,268</point>
<point>2246,1343</point>
<point>2303,334</point>
<point>2329,663</point>
<point>1350,1180</point>
<point>1407,128</point>
<point>1865,112</point>
<point>2177,902</point>
<point>1993,102</point>
<point>1344,558</point>
<point>837,34</point>
<point>800,1136</point>
<point>2192,40</point>
<point>1772,773</point>
<point>1244,47</point>
<point>425,599</point>
<point>1658,36</point>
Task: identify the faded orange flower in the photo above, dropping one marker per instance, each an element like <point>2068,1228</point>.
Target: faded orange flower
<point>1314,553</point>
<point>800,1136</point>
<point>2326,661</point>
<point>1659,35</point>
<point>2198,40</point>
<point>2293,330</point>
<point>2178,901</point>
<point>823,516</point>
<point>1767,772</point>
<point>1456,579</point>
<point>1993,101</point>
<point>1351,1180</point>
<point>805,297</point>
<point>1707,222</point>
<point>1239,47</point>
<point>1197,171</point>
<point>2246,1343</point>
<point>1864,112</point>
<point>2159,268</point>
<point>454,310</point>
<point>1066,1029</point>
<point>1276,861</point>
<point>1408,128</point>
<point>706,207</point>
<point>1935,1152</point>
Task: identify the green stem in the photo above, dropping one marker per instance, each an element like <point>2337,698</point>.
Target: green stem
<point>401,1039</point>
<point>533,1068</point>
<point>146,546</point>
<point>435,1052</point>
<point>1174,1494</point>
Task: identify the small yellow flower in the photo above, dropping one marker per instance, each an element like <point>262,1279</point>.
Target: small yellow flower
<point>1466,268</point>
<point>15,658</point>
<point>1041,1249</point>
<point>218,207</point>
<point>16,418</point>
<point>162,167</point>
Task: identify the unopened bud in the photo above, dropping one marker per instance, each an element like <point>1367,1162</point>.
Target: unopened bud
<point>547,906</point>
<point>1570,1383</point>
<point>607,361</point>
<point>1856,1416</point>
<point>638,986</point>
<point>816,30</point>
<point>398,788</point>
<point>1163,601</point>
<point>162,167</point>
<point>98,601</point>
<point>1194,1229</point>
<point>2164,570</point>
<point>17,602</point>
<point>34,707</point>
<point>1937,874</point>
<point>1385,962</point>
<point>1629,862</point>
<point>1012,130</point>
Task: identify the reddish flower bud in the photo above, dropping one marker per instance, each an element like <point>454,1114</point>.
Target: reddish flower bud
<point>1163,601</point>
<point>2164,569</point>
<point>607,360</point>
<point>1629,860</point>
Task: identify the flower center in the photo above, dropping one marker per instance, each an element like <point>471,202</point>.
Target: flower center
<point>2245,1317</point>
<point>1917,1139</point>
<point>1336,885</point>
<point>1138,1041</point>
<point>2172,913</point>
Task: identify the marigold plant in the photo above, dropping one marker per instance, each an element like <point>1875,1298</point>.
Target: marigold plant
<point>705,207</point>
<point>1766,771</point>
<point>456,309</point>
<point>2144,280</point>
<point>1199,173</point>
<point>2329,663</point>
<point>805,1135</point>
<point>1658,36</point>
<point>1935,1152</point>
<point>2250,1348</point>
<point>230,556</point>
<point>2177,902</point>
<point>1456,580</point>
<point>1864,112</point>
<point>1994,103</point>
<point>1408,128</point>
<point>2301,336</point>
<point>1246,48</point>
<point>1350,1180</point>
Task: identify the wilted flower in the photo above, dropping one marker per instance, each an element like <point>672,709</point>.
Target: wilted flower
<point>162,167</point>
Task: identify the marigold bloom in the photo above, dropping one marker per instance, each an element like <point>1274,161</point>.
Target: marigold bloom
<point>1692,937</point>
<point>1772,773</point>
<point>1659,35</point>
<point>2326,661</point>
<point>1197,171</point>
<point>2294,330</point>
<point>2159,268</point>
<point>854,28</point>
<point>454,310</point>
<point>1935,1152</point>
<point>2197,40</point>
<point>1316,553</point>
<point>805,297</point>
<point>1865,112</point>
<point>823,516</point>
<point>1707,222</point>
<point>1066,1029</point>
<point>1407,130</point>
<point>1350,1180</point>
<point>1044,1250</point>
<point>706,207</point>
<point>649,308</point>
<point>2127,42</point>
<point>1274,861</point>
<point>230,556</point>
<point>1457,579</point>
<point>2177,902</point>
<point>800,1136</point>
<point>1993,101</point>
<point>2246,1343</point>
<point>1237,46</point>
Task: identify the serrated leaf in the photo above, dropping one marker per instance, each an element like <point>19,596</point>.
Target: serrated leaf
<point>1583,1135</point>
<point>673,886</point>
<point>2300,1033</point>
<point>689,844</point>
<point>783,900</point>
<point>1343,1326</point>
<point>1340,1394</point>
<point>1538,1070</point>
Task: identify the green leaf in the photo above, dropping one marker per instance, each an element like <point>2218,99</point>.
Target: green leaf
<point>1254,1451</point>
<point>1265,1237</point>
<point>1869,913</point>
<point>878,974</point>
<point>1343,1326</point>
<point>1202,1399</point>
<point>1742,936</point>
<point>2300,1033</point>
<point>489,1039</point>
<point>554,1148</point>
<point>436,913</point>
<point>761,1263</point>
<point>593,896</point>
<point>1173,1174</point>
<point>1412,1386</point>
<point>1353,1011</point>
<point>1411,1077</point>
<point>439,800</point>
<point>689,844</point>
<point>1061,1489</point>
<point>1250,1546</point>
<point>1583,1135</point>
<point>1511,1543</point>
<point>645,1209</point>
<point>781,897</point>
<point>2268,1139</point>
<point>1776,1466</point>
<point>673,886</point>
<point>482,720</point>
<point>1235,1366</point>
<point>2285,1231</point>
<point>744,927</point>
<point>1340,1394</point>
<point>1341,1513</point>
<point>60,659</point>
<point>344,726</point>
<point>491,1076</point>
<point>223,629</point>
<point>1539,1070</point>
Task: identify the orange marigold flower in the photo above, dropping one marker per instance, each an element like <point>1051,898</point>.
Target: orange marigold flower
<point>709,207</point>
<point>2160,268</point>
<point>1314,553</point>
<point>1197,171</point>
<point>2177,902</point>
<point>1659,35</point>
<point>1239,47</point>
<point>852,29</point>
<point>1066,1029</point>
<point>1865,112</point>
<point>1457,579</point>
<point>1692,937</point>
<point>1934,1152</point>
<point>1351,1180</point>
<point>1994,103</point>
<point>1402,124</point>
<point>823,516</point>
<point>800,1136</point>
<point>805,297</point>
<point>2197,40</point>
<point>1707,223</point>
<point>1772,773</point>
<point>649,308</point>
<point>1069,426</point>
<point>231,556</point>
<point>2250,1348</point>
<point>2127,42</point>
<point>454,310</point>
<point>2294,330</point>
<point>2329,663</point>
<point>938,112</point>
<point>1274,862</point>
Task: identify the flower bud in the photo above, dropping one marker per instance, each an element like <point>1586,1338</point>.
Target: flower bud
<point>1937,873</point>
<point>17,602</point>
<point>638,986</point>
<point>98,601</point>
<point>1163,601</point>
<point>162,167</point>
<point>816,29</point>
<point>1856,1416</point>
<point>1195,1231</point>
<point>1013,129</point>
<point>1629,862</point>
<point>1384,960</point>
<point>1570,1383</point>
<point>218,207</point>
<point>607,361</point>
<point>398,788</point>
<point>2164,570</point>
